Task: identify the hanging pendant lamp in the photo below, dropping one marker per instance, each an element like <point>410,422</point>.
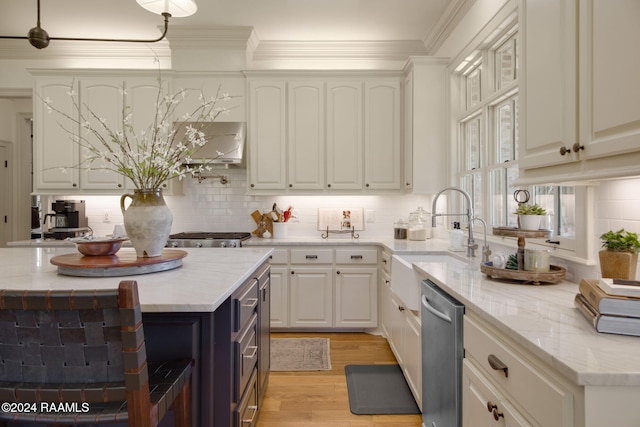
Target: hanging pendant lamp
<point>40,39</point>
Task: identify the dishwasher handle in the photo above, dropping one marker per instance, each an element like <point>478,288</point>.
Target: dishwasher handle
<point>432,310</point>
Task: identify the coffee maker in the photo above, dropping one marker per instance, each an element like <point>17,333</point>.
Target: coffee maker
<point>69,219</point>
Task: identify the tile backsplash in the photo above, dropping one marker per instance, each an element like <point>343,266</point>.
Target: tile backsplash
<point>212,206</point>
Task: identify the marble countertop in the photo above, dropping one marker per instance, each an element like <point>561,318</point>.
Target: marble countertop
<point>205,280</point>
<point>544,321</point>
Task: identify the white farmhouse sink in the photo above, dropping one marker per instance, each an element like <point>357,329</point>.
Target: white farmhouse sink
<point>405,281</point>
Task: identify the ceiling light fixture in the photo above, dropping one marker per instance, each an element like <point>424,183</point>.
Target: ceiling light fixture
<point>39,38</point>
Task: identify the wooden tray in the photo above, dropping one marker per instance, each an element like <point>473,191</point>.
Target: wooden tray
<point>555,274</point>
<point>123,263</point>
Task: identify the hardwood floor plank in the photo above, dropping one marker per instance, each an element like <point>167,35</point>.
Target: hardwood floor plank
<point>320,398</point>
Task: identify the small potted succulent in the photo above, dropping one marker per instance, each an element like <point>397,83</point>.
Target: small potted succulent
<point>529,216</point>
<point>619,258</point>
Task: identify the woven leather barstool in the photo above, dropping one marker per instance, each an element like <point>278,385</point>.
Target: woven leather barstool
<point>78,357</point>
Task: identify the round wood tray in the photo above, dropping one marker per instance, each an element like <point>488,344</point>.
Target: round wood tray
<point>123,263</point>
<point>519,232</point>
<point>555,274</point>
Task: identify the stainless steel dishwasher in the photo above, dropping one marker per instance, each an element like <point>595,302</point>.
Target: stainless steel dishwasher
<point>442,353</point>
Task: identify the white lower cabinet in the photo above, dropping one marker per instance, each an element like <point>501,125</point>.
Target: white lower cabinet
<point>402,329</point>
<point>515,390</point>
<point>311,297</point>
<point>324,288</point>
<point>482,405</point>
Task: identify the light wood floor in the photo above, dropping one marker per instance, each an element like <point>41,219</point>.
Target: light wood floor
<point>320,399</point>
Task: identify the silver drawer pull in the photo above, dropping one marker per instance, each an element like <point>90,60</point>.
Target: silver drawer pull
<point>311,256</point>
<point>251,303</point>
<point>249,421</point>
<point>497,364</point>
<point>356,256</point>
<point>254,351</point>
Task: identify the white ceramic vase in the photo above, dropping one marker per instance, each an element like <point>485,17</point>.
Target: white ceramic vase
<point>529,222</point>
<point>147,221</point>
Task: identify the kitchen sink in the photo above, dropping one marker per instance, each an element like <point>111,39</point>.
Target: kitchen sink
<point>405,281</point>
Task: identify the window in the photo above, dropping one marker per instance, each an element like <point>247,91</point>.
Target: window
<point>488,114</point>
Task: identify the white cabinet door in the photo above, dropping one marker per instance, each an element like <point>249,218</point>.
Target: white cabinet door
<point>267,135</point>
<point>344,135</point>
<point>394,319</point>
<point>385,303</point>
<point>610,87</point>
<point>101,104</point>
<point>382,135</point>
<point>481,404</point>
<point>56,155</point>
<point>411,338</point>
<point>356,297</point>
<point>549,95</point>
<point>306,128</point>
<point>311,297</point>
<point>279,297</point>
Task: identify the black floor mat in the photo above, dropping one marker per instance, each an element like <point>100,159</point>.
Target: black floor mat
<point>379,389</point>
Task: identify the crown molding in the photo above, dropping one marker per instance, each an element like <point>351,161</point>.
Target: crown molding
<point>181,37</point>
<point>456,10</point>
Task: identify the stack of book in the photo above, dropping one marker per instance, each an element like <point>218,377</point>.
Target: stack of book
<point>611,305</point>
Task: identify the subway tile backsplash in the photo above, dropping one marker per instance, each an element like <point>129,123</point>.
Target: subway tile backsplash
<point>212,206</point>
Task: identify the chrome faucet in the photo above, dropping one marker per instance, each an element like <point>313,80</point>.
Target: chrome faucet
<point>485,249</point>
<point>471,245</point>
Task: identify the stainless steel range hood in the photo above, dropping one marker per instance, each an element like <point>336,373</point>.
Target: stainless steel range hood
<point>225,141</point>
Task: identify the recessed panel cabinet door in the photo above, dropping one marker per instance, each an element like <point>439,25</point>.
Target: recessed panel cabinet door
<point>382,136</point>
<point>344,135</point>
<point>54,148</point>
<point>356,297</point>
<point>311,297</point>
<point>306,135</point>
<point>267,135</point>
<point>102,102</point>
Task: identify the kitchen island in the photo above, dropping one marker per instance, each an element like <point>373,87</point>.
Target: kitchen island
<point>185,310</point>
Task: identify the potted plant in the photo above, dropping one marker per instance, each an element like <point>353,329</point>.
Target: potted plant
<point>619,258</point>
<point>529,216</point>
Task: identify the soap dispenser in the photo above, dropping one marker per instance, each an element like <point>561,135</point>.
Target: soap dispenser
<point>456,238</point>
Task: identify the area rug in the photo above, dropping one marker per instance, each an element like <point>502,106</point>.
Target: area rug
<point>379,389</point>
<point>300,354</point>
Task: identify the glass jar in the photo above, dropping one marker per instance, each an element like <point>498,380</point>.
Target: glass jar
<point>418,229</point>
<point>400,229</point>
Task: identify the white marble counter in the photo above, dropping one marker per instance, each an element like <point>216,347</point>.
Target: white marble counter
<point>543,320</point>
<point>205,280</point>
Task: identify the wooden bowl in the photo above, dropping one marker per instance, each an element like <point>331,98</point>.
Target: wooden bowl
<point>98,247</point>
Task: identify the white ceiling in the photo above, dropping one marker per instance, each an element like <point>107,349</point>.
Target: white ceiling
<point>272,20</point>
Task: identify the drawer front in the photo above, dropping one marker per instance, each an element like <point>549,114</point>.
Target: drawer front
<point>356,256</point>
<point>311,256</point>
<point>245,357</point>
<point>280,256</point>
<point>528,386</point>
<point>246,413</point>
<point>386,262</point>
<point>245,304</point>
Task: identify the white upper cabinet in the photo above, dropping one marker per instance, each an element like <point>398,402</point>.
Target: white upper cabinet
<point>335,133</point>
<point>54,148</point>
<point>267,135</point>
<point>102,101</point>
<point>382,164</point>
<point>580,90</point>
<point>344,135</point>
<point>306,135</point>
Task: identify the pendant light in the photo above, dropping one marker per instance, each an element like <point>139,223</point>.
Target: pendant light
<point>39,38</point>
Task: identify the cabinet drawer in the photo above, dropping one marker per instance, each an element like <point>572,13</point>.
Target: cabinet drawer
<point>246,413</point>
<point>386,262</point>
<point>311,256</point>
<point>356,256</point>
<point>245,304</point>
<point>528,386</point>
<point>280,256</point>
<point>245,357</point>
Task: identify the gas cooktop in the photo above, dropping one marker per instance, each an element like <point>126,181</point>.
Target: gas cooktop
<point>207,239</point>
